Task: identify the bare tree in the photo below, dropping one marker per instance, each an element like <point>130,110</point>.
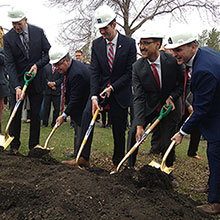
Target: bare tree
<point>131,15</point>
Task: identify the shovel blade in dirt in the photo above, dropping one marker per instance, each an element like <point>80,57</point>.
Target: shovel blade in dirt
<point>163,166</point>
<point>38,150</point>
<point>5,140</point>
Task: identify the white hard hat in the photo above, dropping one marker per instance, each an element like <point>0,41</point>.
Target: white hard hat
<point>103,16</point>
<point>16,15</point>
<point>180,40</point>
<point>146,33</point>
<point>56,54</point>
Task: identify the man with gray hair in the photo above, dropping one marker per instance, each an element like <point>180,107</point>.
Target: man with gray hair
<point>26,50</point>
<point>77,85</point>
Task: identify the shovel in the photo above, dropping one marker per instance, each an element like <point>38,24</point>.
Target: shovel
<point>102,103</point>
<point>38,150</point>
<point>163,113</point>
<point>163,166</point>
<point>6,139</point>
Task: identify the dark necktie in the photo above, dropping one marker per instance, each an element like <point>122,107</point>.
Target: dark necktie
<point>110,55</point>
<point>63,97</point>
<point>156,75</point>
<point>26,43</point>
<point>187,71</point>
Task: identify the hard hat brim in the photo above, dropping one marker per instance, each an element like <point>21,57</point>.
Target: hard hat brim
<point>17,19</point>
<point>102,25</point>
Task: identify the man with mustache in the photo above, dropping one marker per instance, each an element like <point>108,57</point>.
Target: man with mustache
<point>157,79</point>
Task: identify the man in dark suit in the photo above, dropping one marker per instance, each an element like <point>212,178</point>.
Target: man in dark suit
<point>111,75</point>
<point>152,89</point>
<point>205,86</point>
<point>26,50</point>
<point>52,93</point>
<point>77,86</point>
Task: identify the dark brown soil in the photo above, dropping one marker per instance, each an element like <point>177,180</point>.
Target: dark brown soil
<point>43,188</point>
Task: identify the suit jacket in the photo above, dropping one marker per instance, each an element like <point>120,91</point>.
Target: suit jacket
<point>77,89</point>
<point>16,59</point>
<point>120,77</point>
<point>205,86</point>
<point>4,89</point>
<point>147,94</point>
<point>52,77</point>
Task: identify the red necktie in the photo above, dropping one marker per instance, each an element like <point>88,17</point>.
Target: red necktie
<point>63,97</point>
<point>156,75</point>
<point>53,69</point>
<point>187,71</point>
<point>110,55</point>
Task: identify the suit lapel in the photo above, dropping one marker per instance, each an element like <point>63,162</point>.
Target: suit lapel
<point>103,52</point>
<point>119,48</point>
<point>19,43</point>
<point>163,69</point>
<point>152,75</point>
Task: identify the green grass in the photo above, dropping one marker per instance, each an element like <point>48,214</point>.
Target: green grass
<point>190,173</point>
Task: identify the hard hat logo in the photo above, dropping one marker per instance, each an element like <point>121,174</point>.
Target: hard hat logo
<point>99,20</point>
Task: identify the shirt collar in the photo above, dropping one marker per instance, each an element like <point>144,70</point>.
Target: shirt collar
<point>157,61</point>
<point>26,29</point>
<point>114,41</point>
<point>190,62</point>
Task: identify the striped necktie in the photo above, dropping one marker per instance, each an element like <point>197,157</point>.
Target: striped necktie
<point>26,43</point>
<point>110,55</point>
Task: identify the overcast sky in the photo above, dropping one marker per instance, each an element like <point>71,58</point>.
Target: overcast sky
<point>50,18</point>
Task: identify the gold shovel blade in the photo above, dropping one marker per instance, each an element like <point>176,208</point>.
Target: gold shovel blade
<point>164,169</point>
<point>5,140</point>
<point>153,163</point>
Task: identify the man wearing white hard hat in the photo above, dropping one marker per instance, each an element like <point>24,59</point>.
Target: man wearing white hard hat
<point>26,50</point>
<point>204,63</point>
<point>111,63</point>
<point>77,86</point>
<point>157,79</point>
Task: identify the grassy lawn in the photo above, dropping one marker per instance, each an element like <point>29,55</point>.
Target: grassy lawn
<point>190,173</point>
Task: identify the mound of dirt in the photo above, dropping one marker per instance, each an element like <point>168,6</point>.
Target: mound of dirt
<point>43,188</point>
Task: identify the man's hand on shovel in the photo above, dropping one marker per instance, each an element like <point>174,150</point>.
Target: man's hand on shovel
<point>33,70</point>
<point>177,138</point>
<point>59,120</point>
<point>139,133</point>
<point>19,94</point>
<point>169,102</point>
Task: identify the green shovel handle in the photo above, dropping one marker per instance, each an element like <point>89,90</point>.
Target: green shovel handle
<point>26,81</point>
<point>164,112</point>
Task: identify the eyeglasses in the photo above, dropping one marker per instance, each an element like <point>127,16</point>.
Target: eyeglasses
<point>59,63</point>
<point>145,43</point>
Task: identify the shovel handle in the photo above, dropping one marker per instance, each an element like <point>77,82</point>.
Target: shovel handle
<point>164,112</point>
<point>50,135</point>
<point>87,135</point>
<point>137,144</point>
<point>31,77</point>
<point>163,163</point>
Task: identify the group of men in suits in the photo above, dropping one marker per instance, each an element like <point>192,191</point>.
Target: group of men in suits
<point>157,79</point>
